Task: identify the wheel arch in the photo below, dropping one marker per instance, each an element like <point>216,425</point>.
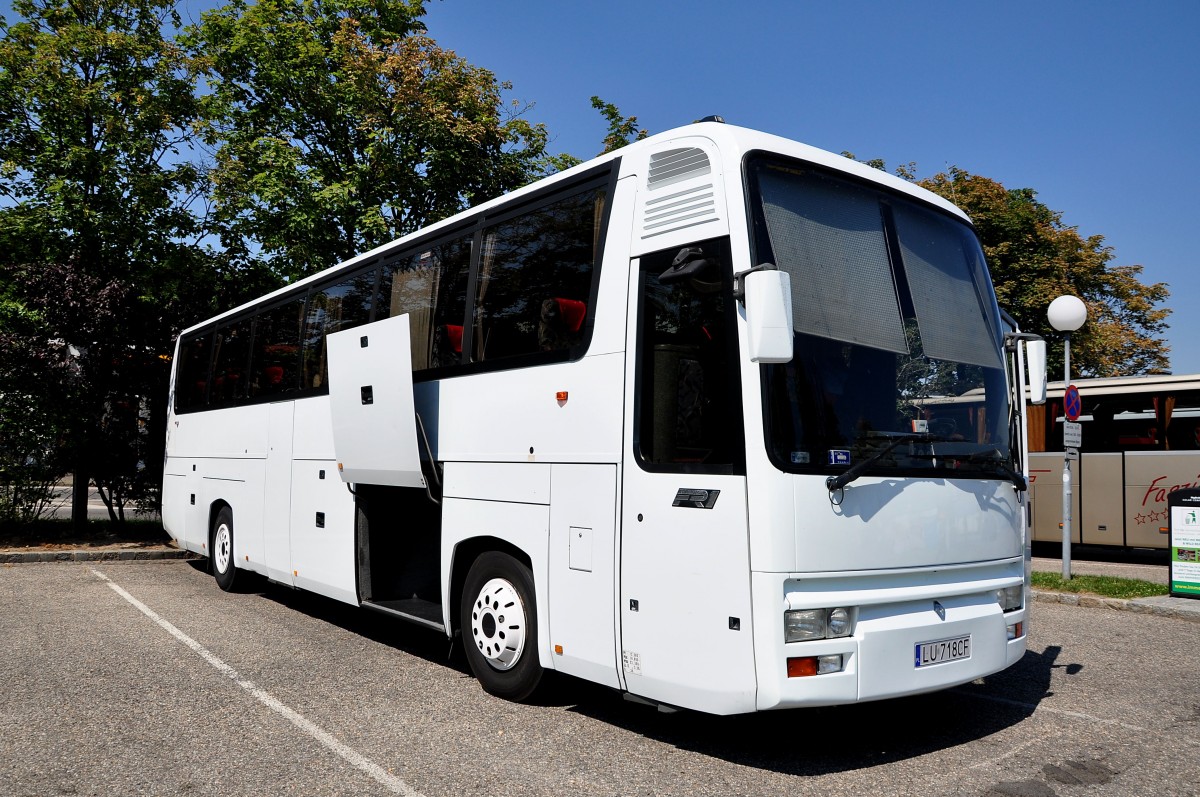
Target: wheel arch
<point>214,509</point>
<point>465,554</point>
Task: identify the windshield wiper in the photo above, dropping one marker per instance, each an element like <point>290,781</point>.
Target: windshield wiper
<point>994,457</point>
<point>834,483</point>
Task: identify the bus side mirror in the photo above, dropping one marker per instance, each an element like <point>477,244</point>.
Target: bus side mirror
<point>1035,355</point>
<point>768,300</point>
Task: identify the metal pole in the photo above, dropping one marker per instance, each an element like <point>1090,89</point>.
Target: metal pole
<point>1066,527</point>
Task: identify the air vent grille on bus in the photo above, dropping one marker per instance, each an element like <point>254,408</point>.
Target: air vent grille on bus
<point>683,209</point>
<point>692,202</point>
<point>676,165</point>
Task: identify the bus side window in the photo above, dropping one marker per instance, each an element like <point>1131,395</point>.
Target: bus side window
<point>231,355</point>
<point>332,309</point>
<point>275,359</point>
<point>689,412</point>
<point>535,279</point>
<point>191,374</point>
<point>431,286</point>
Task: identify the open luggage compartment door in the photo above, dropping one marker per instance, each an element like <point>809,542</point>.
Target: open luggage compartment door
<point>371,400</point>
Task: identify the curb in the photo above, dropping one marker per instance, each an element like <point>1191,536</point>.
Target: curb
<point>1159,606</point>
<point>23,557</point>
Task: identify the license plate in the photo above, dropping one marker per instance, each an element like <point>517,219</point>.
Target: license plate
<point>943,650</point>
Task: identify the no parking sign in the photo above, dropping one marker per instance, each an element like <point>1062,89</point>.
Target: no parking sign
<point>1072,431</point>
<point>1072,403</point>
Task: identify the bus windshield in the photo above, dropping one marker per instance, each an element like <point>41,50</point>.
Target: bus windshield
<point>898,347</point>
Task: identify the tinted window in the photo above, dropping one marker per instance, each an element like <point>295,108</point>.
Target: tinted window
<point>897,331</point>
<point>535,278</point>
<point>332,309</point>
<point>275,364</point>
<point>431,286</point>
<point>191,373</point>
<point>231,355</point>
<point>689,413</point>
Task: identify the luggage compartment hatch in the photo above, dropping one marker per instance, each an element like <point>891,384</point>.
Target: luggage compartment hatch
<point>371,400</point>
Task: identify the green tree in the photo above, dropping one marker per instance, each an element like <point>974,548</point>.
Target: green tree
<point>338,125</point>
<point>622,130</point>
<point>1034,257</point>
<point>97,230</point>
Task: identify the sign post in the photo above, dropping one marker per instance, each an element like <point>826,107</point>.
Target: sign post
<point>1067,314</point>
<point>1184,528</point>
<point>1072,442</point>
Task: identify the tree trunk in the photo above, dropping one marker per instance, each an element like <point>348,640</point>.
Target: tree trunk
<point>79,500</point>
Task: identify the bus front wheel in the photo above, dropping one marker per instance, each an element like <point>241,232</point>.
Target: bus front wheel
<point>221,550</point>
<point>499,625</point>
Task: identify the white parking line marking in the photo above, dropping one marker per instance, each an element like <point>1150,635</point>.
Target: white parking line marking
<point>1019,748</point>
<point>350,755</point>
<point>1041,707</point>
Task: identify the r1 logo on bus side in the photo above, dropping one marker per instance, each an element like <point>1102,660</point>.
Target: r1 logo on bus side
<point>696,499</point>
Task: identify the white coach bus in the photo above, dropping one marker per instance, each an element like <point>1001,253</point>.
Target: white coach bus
<point>659,421</point>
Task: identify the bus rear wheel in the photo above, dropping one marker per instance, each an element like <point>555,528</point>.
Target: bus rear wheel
<point>499,625</point>
<point>221,550</point>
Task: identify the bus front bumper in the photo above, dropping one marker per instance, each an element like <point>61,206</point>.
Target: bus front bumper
<point>912,633</point>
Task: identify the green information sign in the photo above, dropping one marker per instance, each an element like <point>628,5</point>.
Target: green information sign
<point>1184,528</point>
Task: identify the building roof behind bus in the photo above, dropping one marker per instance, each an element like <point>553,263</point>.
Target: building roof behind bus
<point>1120,385</point>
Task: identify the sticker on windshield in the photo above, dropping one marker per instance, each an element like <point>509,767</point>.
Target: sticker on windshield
<point>799,457</point>
<point>920,426</point>
<point>839,456</point>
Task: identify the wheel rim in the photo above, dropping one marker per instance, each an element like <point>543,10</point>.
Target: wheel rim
<point>498,624</point>
<point>222,547</point>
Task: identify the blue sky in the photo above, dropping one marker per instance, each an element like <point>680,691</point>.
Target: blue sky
<point>1094,105</point>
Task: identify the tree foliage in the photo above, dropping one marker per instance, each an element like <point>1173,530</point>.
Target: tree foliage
<point>1034,257</point>
<point>338,125</point>
<point>622,130</point>
<point>96,226</point>
<point>151,177</point>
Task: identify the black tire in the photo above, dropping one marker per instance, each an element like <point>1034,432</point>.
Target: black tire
<point>220,550</point>
<point>498,619</point>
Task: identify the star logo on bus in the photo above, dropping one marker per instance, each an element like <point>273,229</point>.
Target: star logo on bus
<point>1141,519</point>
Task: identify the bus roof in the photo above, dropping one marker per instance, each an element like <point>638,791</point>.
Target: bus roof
<point>733,141</point>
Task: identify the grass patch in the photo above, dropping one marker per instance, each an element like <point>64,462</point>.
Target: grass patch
<point>1105,586</point>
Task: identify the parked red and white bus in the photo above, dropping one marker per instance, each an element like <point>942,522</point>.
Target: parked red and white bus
<point>1141,440</point>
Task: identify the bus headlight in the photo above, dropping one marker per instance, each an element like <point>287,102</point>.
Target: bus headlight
<point>1010,598</point>
<point>839,622</point>
<point>800,625</point>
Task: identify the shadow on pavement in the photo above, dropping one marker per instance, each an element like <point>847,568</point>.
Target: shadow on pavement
<point>795,742</point>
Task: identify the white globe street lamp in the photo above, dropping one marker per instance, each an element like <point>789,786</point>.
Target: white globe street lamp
<point>1066,314</point>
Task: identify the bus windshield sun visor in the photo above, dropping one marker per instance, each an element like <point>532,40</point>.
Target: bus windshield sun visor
<point>896,332</point>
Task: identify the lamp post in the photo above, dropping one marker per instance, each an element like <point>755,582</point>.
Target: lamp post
<point>1066,314</point>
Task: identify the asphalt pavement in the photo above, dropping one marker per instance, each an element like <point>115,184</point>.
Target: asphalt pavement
<point>145,678</point>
